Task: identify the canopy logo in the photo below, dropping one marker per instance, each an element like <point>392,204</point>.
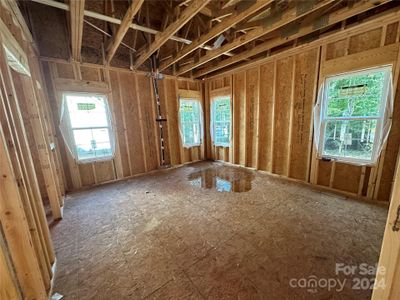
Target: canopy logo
<point>355,277</point>
<point>313,284</point>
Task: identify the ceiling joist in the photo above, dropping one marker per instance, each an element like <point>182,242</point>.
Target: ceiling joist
<point>77,8</point>
<point>162,37</point>
<point>273,24</point>
<point>304,29</point>
<point>123,28</point>
<point>109,19</point>
<point>215,31</point>
<point>245,29</point>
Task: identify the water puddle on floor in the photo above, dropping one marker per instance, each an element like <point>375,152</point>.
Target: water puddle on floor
<point>223,179</point>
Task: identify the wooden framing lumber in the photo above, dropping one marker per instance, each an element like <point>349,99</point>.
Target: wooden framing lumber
<point>77,8</point>
<point>215,31</point>
<point>162,37</point>
<point>8,284</point>
<point>123,28</point>
<point>16,195</point>
<point>334,17</point>
<point>287,17</point>
<point>109,19</point>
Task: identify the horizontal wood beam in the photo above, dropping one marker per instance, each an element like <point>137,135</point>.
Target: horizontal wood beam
<point>287,17</point>
<point>109,19</point>
<point>123,28</point>
<point>77,8</point>
<point>335,17</point>
<point>162,37</point>
<point>112,20</point>
<point>216,30</point>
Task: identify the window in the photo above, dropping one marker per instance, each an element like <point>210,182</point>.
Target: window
<point>190,122</point>
<point>221,121</point>
<point>86,126</point>
<point>353,114</point>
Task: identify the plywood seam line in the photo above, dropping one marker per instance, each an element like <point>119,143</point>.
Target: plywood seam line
<point>311,171</point>
<point>311,162</point>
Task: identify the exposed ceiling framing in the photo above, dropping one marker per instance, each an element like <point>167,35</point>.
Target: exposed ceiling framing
<point>198,38</point>
<point>76,15</point>
<point>116,40</point>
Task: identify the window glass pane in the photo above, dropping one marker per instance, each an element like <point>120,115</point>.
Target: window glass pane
<point>92,143</point>
<point>356,95</point>
<point>350,138</point>
<point>87,111</point>
<point>222,132</point>
<point>189,111</point>
<point>89,126</point>
<point>222,120</point>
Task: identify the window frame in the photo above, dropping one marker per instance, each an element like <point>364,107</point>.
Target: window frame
<point>324,119</point>
<point>195,100</point>
<point>71,129</point>
<point>212,120</point>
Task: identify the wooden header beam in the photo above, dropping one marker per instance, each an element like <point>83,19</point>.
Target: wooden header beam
<point>335,17</point>
<point>287,17</point>
<point>77,8</point>
<point>162,37</point>
<point>216,30</point>
<point>123,28</point>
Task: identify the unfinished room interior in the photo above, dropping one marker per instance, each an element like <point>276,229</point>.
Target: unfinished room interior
<point>199,149</point>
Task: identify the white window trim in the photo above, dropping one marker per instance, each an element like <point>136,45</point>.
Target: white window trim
<point>225,145</point>
<point>200,122</point>
<point>379,125</point>
<point>71,129</point>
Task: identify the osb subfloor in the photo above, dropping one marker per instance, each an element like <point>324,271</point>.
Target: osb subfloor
<point>161,237</point>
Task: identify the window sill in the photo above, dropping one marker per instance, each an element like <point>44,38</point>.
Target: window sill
<point>191,146</point>
<point>356,162</point>
<point>94,160</point>
<point>222,145</point>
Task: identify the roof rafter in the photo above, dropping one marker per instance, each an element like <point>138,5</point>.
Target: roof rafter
<point>123,28</point>
<point>216,30</point>
<point>334,17</point>
<point>273,24</point>
<point>162,37</point>
<point>77,8</point>
<point>109,19</point>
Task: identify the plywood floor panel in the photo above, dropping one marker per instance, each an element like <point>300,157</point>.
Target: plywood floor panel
<point>158,236</point>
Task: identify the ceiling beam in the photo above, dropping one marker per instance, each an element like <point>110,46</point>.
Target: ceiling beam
<point>162,37</point>
<point>109,19</point>
<point>123,28</point>
<point>206,11</point>
<point>304,29</point>
<point>274,22</point>
<point>215,31</point>
<point>77,8</point>
<point>113,20</point>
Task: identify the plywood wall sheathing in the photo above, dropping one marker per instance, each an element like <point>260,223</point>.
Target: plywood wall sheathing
<point>132,104</point>
<point>279,138</point>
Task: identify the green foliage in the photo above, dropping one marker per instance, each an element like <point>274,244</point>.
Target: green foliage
<point>222,120</point>
<point>353,96</point>
<point>364,102</point>
<point>189,111</point>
